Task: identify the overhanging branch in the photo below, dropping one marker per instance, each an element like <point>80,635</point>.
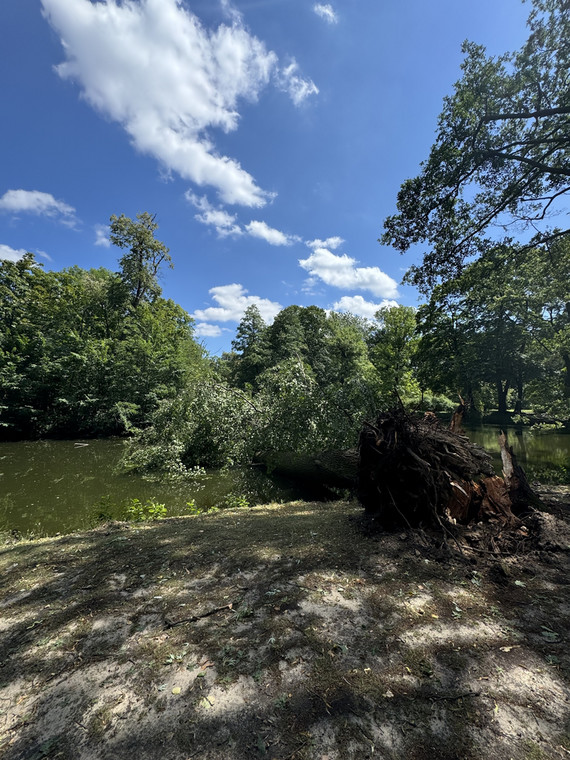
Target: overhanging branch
<point>558,171</point>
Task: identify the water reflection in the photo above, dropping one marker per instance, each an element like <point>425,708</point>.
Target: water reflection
<point>532,448</point>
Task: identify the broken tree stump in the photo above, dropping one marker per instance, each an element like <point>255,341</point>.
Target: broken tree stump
<point>413,470</point>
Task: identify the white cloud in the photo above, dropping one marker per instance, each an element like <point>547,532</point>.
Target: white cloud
<point>224,223</point>
<point>326,11</point>
<point>204,330</point>
<point>232,13</point>
<point>269,234</point>
<point>36,202</point>
<point>155,69</point>
<point>291,82</point>
<point>342,272</point>
<point>331,243</point>
<point>232,302</point>
<point>10,254</point>
<point>102,235</point>
<point>359,306</point>
<point>44,255</point>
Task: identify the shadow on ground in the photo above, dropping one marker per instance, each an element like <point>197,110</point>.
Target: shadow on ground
<point>280,632</point>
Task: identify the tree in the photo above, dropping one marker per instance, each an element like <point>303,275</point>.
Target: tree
<point>392,350</point>
<point>502,153</point>
<point>76,360</point>
<point>286,335</point>
<point>505,322</point>
<point>251,346</point>
<point>140,266</point>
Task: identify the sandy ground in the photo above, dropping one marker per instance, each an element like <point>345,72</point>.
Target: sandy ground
<point>282,632</point>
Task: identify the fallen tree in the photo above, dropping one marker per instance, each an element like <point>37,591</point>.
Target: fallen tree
<point>328,469</point>
<point>413,470</point>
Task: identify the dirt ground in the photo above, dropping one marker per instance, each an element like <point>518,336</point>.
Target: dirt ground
<point>282,632</point>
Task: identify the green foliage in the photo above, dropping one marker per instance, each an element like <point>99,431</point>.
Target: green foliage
<point>132,510</point>
<point>140,266</point>
<point>77,359</point>
<point>501,330</point>
<point>501,153</point>
<point>235,501</point>
<point>193,509</point>
<point>208,424</point>
<point>393,349</point>
<point>251,347</point>
<point>549,473</point>
<point>303,384</point>
<point>136,511</point>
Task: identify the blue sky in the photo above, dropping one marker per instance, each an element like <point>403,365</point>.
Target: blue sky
<point>269,137</point>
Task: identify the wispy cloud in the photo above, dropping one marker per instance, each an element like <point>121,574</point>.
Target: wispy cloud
<point>226,224</point>
<point>10,254</point>
<point>342,272</point>
<point>36,202</point>
<point>326,11</point>
<point>269,234</point>
<point>290,81</point>
<point>152,67</point>
<point>359,306</point>
<point>223,222</point>
<point>232,302</point>
<point>102,235</point>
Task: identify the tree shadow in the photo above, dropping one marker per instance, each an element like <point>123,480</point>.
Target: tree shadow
<point>283,633</point>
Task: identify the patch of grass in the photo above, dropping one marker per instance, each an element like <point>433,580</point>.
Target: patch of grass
<point>99,722</point>
<point>532,751</point>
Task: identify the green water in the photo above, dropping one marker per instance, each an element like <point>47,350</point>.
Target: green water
<point>538,452</point>
<point>49,487</point>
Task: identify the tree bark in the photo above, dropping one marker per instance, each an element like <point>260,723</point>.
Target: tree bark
<point>566,359</point>
<point>502,392</point>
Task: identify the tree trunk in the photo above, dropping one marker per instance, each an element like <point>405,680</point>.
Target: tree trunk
<point>520,392</point>
<point>457,417</point>
<point>337,469</point>
<point>502,392</point>
<point>520,492</point>
<point>566,359</point>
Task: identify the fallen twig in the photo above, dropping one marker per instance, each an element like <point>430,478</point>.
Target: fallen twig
<point>194,618</point>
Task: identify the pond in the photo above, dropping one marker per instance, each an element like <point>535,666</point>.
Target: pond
<point>545,455</point>
<point>49,487</point>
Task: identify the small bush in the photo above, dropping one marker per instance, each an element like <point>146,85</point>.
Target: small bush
<point>235,501</point>
<point>557,474</point>
<point>136,511</point>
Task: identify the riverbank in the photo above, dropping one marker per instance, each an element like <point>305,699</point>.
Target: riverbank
<point>283,631</point>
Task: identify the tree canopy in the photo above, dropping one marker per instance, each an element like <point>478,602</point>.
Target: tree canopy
<point>501,158</point>
<point>141,264</point>
<point>90,352</point>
